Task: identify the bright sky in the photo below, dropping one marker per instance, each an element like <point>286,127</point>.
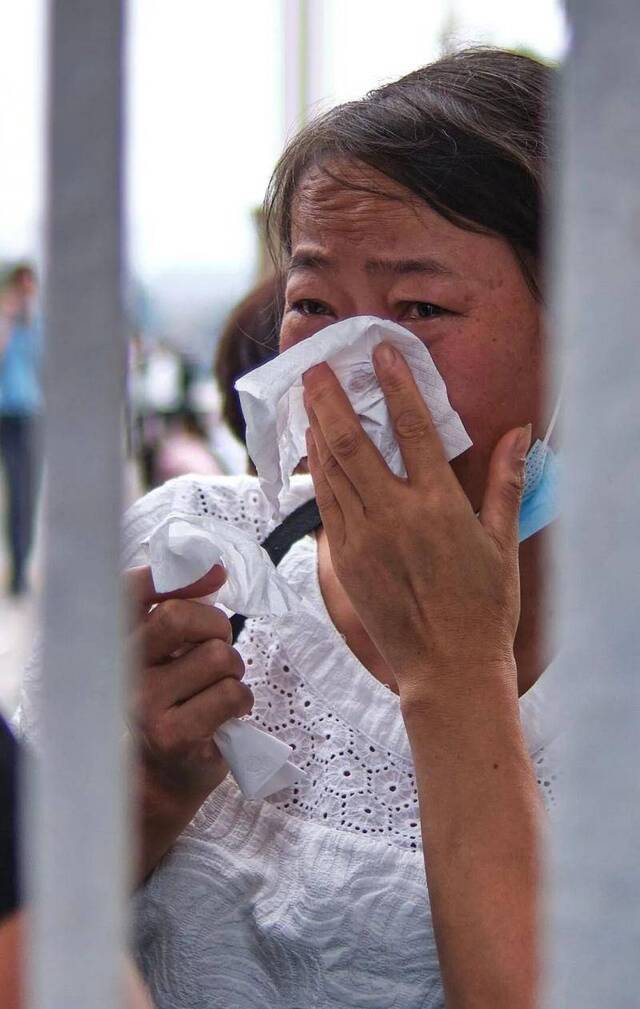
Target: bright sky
<point>206,118</point>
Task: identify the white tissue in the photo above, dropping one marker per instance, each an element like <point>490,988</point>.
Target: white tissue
<point>272,404</point>
<point>181,551</point>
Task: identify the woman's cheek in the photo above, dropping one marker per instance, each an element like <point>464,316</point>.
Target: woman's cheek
<point>461,373</point>
<point>287,338</point>
<point>296,328</point>
<point>470,383</point>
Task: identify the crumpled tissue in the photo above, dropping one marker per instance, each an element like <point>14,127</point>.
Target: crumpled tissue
<point>272,403</point>
<point>181,551</point>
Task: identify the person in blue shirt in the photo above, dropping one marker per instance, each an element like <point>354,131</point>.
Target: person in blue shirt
<point>20,407</point>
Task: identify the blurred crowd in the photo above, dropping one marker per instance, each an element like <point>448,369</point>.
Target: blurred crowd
<point>20,410</point>
<point>182,417</point>
<point>186,418</point>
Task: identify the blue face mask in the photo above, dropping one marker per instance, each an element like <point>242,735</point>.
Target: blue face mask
<point>540,503</point>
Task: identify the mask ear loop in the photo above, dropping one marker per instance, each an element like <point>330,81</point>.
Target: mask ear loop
<point>554,417</point>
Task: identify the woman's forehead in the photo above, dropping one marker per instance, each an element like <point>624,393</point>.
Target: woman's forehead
<point>357,213</point>
<point>349,198</point>
<point>357,204</point>
<point>346,218</point>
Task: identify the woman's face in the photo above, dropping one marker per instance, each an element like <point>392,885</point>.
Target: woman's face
<point>462,294</point>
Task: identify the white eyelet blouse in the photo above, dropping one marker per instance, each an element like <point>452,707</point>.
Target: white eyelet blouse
<point>315,896</point>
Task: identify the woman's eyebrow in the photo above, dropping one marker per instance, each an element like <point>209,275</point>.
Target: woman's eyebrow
<point>305,259</point>
<point>403,267</point>
<point>428,266</point>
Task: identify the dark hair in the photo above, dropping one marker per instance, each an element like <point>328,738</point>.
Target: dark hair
<point>466,134</point>
<point>249,338</point>
<point>18,273</point>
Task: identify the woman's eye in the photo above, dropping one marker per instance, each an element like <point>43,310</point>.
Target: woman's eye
<point>423,310</point>
<point>307,306</point>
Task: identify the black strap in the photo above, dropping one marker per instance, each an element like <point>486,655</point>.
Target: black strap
<point>278,543</point>
<point>9,892</point>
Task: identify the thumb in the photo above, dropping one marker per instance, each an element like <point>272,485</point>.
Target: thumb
<point>142,594</point>
<point>501,505</point>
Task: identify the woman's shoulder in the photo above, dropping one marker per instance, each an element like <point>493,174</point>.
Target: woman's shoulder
<point>236,499</point>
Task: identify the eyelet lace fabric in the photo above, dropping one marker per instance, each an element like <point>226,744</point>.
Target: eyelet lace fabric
<point>547,778</point>
<point>315,898</point>
<point>355,783</point>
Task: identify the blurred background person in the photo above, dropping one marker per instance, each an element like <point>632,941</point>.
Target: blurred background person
<point>175,415</point>
<point>156,388</point>
<point>185,419</point>
<point>20,408</point>
<point>249,338</point>
<point>185,448</point>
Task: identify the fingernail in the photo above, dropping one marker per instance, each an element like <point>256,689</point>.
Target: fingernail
<point>385,355</point>
<point>522,442</point>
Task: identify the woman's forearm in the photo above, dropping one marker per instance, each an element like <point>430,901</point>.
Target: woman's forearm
<point>163,811</point>
<point>480,826</point>
<point>12,937</point>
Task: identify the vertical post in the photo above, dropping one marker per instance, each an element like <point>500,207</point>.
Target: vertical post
<point>79,874</point>
<point>303,59</point>
<point>594,881</point>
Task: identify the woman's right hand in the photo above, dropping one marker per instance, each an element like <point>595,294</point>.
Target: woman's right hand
<point>189,682</point>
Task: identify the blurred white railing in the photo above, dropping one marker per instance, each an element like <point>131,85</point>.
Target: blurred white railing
<point>303,51</point>
<point>79,856</point>
<point>594,884</point>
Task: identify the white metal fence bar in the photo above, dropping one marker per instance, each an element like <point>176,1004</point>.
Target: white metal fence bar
<point>79,873</point>
<point>304,44</point>
<point>594,886</point>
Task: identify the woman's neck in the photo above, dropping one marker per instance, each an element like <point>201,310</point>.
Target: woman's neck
<point>346,620</point>
<point>531,649</point>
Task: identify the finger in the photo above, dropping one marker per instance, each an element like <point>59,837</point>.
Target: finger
<point>142,592</point>
<point>182,678</point>
<point>415,431</point>
<point>342,431</point>
<point>501,505</point>
<point>343,490</point>
<point>139,590</point>
<point>176,623</point>
<point>330,511</point>
<point>199,717</point>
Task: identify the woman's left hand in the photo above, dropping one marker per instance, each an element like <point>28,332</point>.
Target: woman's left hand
<point>436,589</point>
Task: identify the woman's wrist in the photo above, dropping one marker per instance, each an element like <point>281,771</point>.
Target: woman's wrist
<point>166,803</point>
<point>465,690</point>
